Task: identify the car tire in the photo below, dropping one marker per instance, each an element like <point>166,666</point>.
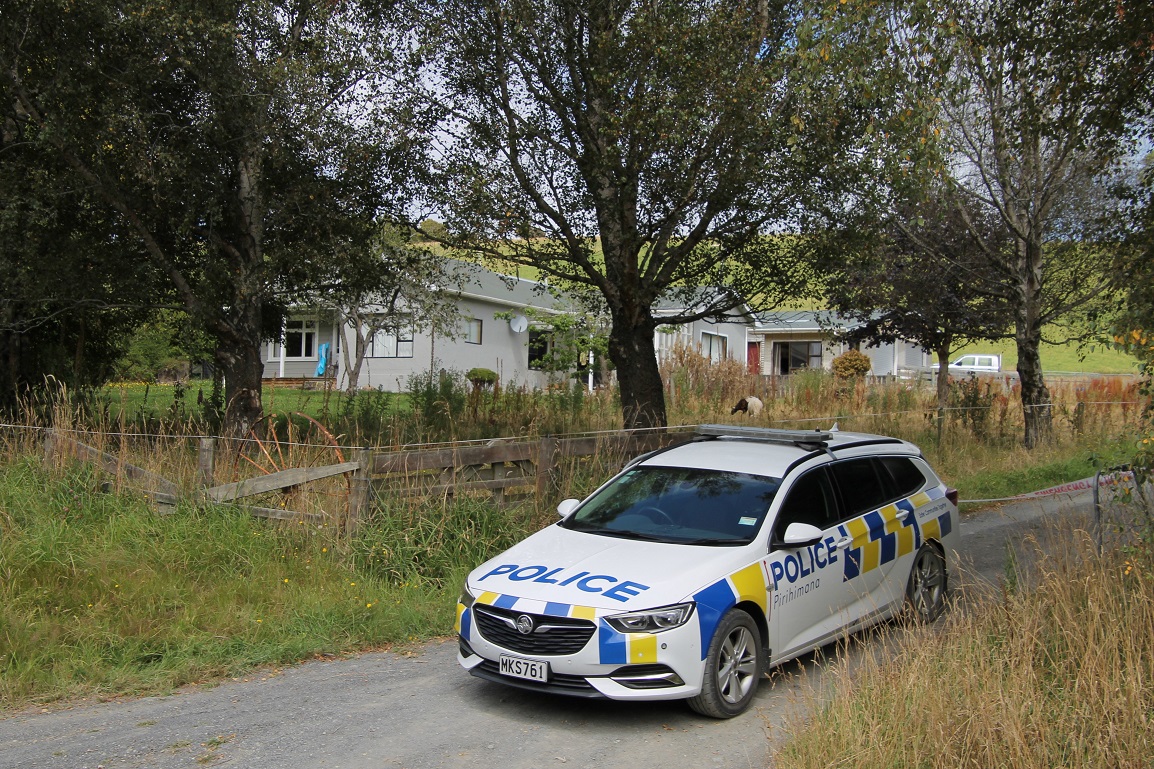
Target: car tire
<point>926,589</point>
<point>733,667</point>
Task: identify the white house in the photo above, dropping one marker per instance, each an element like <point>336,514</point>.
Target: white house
<point>728,339</point>
<point>499,328</point>
<point>798,339</point>
<point>494,331</point>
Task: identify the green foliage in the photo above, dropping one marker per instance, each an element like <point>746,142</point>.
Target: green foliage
<point>1134,325</point>
<point>228,143</point>
<point>101,596</point>
<point>481,378</point>
<point>1040,100</point>
<point>683,133</point>
<point>434,544</point>
<point>438,399</point>
<point>166,346</point>
<point>972,400</point>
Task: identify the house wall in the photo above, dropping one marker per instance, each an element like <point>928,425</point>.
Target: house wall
<point>893,359</point>
<point>693,334</point>
<point>769,359</point>
<point>501,349</point>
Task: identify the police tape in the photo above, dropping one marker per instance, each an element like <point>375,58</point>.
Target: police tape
<point>1105,480</point>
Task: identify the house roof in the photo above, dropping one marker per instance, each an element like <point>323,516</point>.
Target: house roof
<point>479,282</point>
<point>802,321</point>
<point>700,297</point>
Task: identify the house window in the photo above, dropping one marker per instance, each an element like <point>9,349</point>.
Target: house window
<point>300,339</point>
<point>714,346</point>
<point>540,349</point>
<point>472,331</point>
<point>390,344</point>
<point>798,355</point>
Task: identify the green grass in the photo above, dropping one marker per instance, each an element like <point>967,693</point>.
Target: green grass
<point>1002,483</point>
<point>1062,359</point>
<point>100,596</point>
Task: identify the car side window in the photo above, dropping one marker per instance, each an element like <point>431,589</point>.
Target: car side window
<point>860,487</point>
<point>907,479</point>
<point>811,500</point>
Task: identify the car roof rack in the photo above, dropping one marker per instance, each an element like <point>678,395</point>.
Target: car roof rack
<point>766,434</point>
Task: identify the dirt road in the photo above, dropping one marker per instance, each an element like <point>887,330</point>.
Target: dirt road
<point>420,710</point>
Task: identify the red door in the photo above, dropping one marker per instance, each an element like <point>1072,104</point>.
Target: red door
<point>753,357</point>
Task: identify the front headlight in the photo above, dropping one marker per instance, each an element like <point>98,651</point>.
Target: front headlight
<point>652,620</point>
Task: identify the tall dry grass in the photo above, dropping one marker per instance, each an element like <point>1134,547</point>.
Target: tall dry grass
<point>981,429</point>
<point>1056,671</point>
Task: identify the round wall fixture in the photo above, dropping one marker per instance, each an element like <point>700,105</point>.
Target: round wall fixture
<point>518,323</point>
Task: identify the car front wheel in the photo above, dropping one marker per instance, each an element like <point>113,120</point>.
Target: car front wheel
<point>733,667</point>
<point>926,590</point>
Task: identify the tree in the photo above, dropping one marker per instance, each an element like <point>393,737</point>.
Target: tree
<point>1133,326</point>
<point>393,287</point>
<point>1045,98</point>
<point>922,277</point>
<point>646,149</point>
<point>229,140</point>
<point>68,297</point>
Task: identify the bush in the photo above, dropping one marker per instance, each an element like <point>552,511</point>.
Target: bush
<point>851,364</point>
<point>481,378</point>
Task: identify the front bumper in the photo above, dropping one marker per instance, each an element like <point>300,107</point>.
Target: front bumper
<point>620,666</point>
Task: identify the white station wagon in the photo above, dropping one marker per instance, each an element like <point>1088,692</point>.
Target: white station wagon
<point>697,567</point>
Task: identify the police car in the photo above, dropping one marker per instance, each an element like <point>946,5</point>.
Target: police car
<point>697,567</point>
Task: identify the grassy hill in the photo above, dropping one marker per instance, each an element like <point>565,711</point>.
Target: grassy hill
<point>1063,359</point>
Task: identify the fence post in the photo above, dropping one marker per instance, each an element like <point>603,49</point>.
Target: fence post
<point>49,447</point>
<point>206,462</point>
<point>360,490</point>
<point>546,462</point>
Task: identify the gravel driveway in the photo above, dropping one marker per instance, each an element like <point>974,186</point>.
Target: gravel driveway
<point>419,709</point>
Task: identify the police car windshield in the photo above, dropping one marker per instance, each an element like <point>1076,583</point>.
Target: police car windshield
<point>678,505</point>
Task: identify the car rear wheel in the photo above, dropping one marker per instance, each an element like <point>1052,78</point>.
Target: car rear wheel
<point>733,667</point>
<point>926,590</point>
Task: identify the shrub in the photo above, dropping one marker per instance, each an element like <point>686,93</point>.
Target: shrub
<point>851,364</point>
<point>481,378</point>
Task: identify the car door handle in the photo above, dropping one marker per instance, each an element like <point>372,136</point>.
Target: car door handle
<point>843,543</point>
<point>902,515</point>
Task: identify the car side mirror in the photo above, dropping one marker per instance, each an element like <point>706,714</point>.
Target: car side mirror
<point>566,506</point>
<point>801,535</point>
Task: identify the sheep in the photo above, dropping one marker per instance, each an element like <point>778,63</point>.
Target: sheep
<point>750,405</point>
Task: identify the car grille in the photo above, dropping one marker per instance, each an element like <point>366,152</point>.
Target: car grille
<point>550,636</point>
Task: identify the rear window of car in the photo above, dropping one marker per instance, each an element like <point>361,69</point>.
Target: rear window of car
<point>678,505</point>
<point>905,476</point>
<point>860,486</point>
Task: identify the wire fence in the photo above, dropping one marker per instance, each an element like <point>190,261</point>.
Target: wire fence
<point>828,420</point>
<point>1123,513</point>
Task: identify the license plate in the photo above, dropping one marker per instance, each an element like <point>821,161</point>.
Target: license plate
<point>519,668</point>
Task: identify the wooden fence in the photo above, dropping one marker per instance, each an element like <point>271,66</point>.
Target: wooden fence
<point>506,470</point>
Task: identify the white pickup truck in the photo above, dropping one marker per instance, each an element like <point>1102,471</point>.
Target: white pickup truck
<point>976,364</point>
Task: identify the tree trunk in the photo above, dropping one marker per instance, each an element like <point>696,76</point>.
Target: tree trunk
<point>1036,407</point>
<point>1037,410</point>
<point>943,384</point>
<point>354,354</point>
<point>642,395</point>
<point>238,355</point>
